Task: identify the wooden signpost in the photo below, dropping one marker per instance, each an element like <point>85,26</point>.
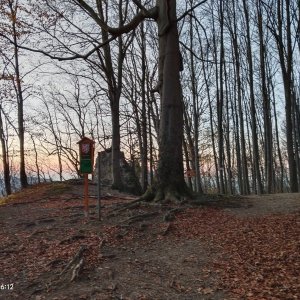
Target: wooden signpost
<point>86,155</point>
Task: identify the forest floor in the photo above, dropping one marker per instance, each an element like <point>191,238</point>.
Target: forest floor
<point>216,248</point>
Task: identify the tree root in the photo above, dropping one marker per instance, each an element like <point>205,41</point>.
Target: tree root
<point>76,264</point>
<point>133,204</point>
<point>75,237</point>
<point>140,217</point>
<point>101,245</point>
<point>167,229</point>
<point>76,270</point>
<point>54,262</point>
<point>167,194</point>
<point>170,215</point>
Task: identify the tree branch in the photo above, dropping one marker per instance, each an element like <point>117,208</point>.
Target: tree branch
<point>115,32</point>
<point>191,9</point>
<point>138,18</point>
<point>139,5</point>
<point>76,56</point>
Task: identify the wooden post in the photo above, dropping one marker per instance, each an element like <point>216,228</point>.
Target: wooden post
<point>86,195</point>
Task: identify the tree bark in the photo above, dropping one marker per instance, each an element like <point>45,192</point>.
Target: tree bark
<point>244,187</point>
<point>195,97</point>
<point>114,91</point>
<point>268,143</point>
<point>5,161</point>
<point>144,152</point>
<point>286,63</point>
<point>258,183</point>
<point>170,177</point>
<point>220,104</point>
<point>19,92</point>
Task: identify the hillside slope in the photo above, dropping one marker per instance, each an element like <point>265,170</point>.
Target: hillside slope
<point>223,248</point>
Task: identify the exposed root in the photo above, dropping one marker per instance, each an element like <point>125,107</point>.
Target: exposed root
<point>157,195</point>
<point>167,229</point>
<point>75,265</point>
<point>148,195</point>
<point>140,217</point>
<point>72,238</point>
<point>133,204</point>
<point>101,245</point>
<point>76,270</point>
<point>167,194</point>
<point>170,215</point>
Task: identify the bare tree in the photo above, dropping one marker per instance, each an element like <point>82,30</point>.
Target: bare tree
<point>5,158</point>
<point>268,140</point>
<point>257,179</point>
<point>170,182</point>
<point>14,26</point>
<point>280,27</point>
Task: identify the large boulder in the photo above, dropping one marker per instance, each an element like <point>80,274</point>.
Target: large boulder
<point>130,181</point>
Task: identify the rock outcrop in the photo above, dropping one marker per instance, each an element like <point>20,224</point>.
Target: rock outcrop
<point>130,180</point>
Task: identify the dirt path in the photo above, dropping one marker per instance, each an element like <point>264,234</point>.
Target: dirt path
<point>49,251</point>
<point>261,205</point>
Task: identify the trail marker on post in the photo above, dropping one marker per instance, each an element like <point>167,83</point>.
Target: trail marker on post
<point>86,155</point>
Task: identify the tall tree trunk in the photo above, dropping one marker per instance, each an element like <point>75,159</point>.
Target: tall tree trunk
<point>19,91</point>
<point>256,159</point>
<point>245,188</point>
<point>188,167</point>
<point>115,144</point>
<point>208,91</point>
<point>5,161</point>
<point>114,92</point>
<point>220,100</point>
<point>150,138</point>
<point>188,143</point>
<point>277,138</point>
<point>144,159</point>
<point>296,133</point>
<point>227,136</point>
<point>268,145</point>
<point>36,159</point>
<point>198,187</point>
<point>171,184</point>
<point>286,63</point>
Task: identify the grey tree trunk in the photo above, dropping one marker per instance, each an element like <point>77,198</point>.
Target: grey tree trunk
<point>245,189</point>
<point>171,183</point>
<point>19,92</point>
<point>286,63</point>
<point>195,97</point>
<point>206,80</point>
<point>268,140</point>
<point>258,183</point>
<point>114,91</point>
<point>144,152</point>
<point>5,161</point>
<point>220,100</point>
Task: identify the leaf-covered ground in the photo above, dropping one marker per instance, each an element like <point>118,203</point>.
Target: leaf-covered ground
<point>226,248</point>
<point>258,257</point>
